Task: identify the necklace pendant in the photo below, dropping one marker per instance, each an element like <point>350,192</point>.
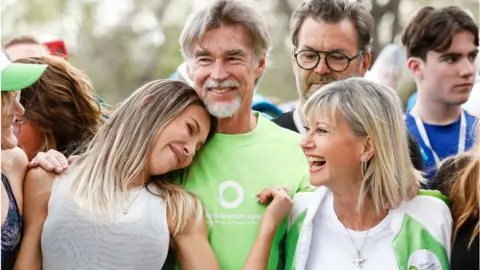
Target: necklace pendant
<point>125,212</point>
<point>359,260</point>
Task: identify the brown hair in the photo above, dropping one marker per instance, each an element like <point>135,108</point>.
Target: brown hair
<point>433,30</point>
<point>459,179</point>
<point>334,11</point>
<point>62,104</point>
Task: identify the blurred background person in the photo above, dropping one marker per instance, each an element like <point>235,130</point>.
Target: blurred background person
<point>61,109</point>
<point>23,47</point>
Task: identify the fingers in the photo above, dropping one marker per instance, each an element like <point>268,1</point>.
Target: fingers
<point>271,193</point>
<point>50,161</point>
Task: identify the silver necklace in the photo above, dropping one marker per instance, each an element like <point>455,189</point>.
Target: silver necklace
<point>125,210</point>
<point>358,259</point>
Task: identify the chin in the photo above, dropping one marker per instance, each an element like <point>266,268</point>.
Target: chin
<point>318,181</point>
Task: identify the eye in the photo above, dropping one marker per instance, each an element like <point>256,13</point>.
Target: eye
<point>307,129</point>
<point>203,60</point>
<point>321,131</point>
<point>450,59</point>
<point>190,129</point>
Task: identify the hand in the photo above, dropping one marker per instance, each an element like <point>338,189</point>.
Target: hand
<point>279,207</point>
<point>50,161</point>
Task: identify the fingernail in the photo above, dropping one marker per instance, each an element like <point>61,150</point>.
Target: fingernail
<point>59,169</point>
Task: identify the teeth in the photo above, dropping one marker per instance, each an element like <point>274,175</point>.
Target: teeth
<point>220,90</point>
<point>315,159</point>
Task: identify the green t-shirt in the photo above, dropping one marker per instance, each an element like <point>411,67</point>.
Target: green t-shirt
<point>228,173</point>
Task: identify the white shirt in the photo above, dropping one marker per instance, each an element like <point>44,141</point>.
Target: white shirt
<point>72,238</point>
<point>332,248</point>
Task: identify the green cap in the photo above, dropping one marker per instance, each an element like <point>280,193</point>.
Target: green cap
<point>16,76</point>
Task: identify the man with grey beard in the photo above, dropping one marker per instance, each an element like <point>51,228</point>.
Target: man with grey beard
<point>331,41</point>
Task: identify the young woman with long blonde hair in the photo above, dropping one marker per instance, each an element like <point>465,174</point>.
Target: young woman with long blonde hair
<point>115,208</point>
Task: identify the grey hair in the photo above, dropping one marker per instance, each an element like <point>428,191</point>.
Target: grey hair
<point>334,11</point>
<point>223,13</point>
<point>375,111</point>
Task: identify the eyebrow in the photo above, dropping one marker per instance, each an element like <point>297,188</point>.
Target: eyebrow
<point>236,52</point>
<point>334,50</point>
<point>202,53</point>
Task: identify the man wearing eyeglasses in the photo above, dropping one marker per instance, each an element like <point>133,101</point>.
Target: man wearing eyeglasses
<point>331,41</point>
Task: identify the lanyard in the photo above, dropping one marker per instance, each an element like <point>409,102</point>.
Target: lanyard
<point>423,134</point>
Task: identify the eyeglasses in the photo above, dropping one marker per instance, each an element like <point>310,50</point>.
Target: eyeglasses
<point>335,61</point>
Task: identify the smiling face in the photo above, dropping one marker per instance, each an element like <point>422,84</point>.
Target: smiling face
<point>333,151</point>
<point>10,110</point>
<point>175,145</point>
<point>328,37</point>
<point>224,70</point>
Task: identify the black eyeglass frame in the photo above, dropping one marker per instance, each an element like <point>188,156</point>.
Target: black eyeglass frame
<point>327,54</point>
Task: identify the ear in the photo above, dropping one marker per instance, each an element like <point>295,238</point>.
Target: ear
<point>260,67</point>
<point>415,65</point>
<point>368,150</point>
<point>146,99</point>
<point>367,59</point>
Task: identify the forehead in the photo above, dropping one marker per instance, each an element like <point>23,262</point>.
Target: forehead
<point>224,38</point>
<point>463,42</point>
<point>321,35</point>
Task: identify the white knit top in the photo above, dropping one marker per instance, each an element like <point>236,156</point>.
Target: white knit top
<point>72,238</point>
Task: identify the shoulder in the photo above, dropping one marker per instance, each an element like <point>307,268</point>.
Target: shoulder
<point>38,181</point>
<point>14,160</point>
<point>15,165</point>
<point>429,206</point>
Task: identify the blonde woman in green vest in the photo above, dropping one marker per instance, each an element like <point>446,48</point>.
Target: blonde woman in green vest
<point>361,216</point>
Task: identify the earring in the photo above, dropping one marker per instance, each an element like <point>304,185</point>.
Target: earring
<point>364,166</point>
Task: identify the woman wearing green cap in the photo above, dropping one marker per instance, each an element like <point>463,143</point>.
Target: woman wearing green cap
<point>14,161</point>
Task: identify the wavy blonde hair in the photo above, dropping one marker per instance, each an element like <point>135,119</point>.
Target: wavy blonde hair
<point>118,153</point>
<point>374,111</point>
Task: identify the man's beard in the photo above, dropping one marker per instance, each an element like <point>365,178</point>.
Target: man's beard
<point>221,109</point>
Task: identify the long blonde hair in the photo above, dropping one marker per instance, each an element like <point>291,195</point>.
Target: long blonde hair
<point>118,153</point>
<point>374,111</point>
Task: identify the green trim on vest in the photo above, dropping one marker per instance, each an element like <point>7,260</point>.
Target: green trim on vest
<point>415,248</point>
<point>292,240</point>
<point>435,194</point>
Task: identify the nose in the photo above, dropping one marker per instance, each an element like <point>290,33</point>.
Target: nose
<point>18,109</point>
<point>467,68</point>
<point>322,67</point>
<point>219,72</point>
<point>307,142</point>
<point>189,149</point>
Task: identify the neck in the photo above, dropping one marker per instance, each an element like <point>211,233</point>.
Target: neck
<point>139,180</point>
<point>436,113</point>
<point>240,123</point>
<point>346,208</point>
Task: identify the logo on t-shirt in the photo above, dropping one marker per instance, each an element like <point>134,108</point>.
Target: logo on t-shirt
<point>424,260</point>
<point>230,194</point>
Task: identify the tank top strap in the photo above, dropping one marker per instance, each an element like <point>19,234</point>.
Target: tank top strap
<point>8,188</point>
